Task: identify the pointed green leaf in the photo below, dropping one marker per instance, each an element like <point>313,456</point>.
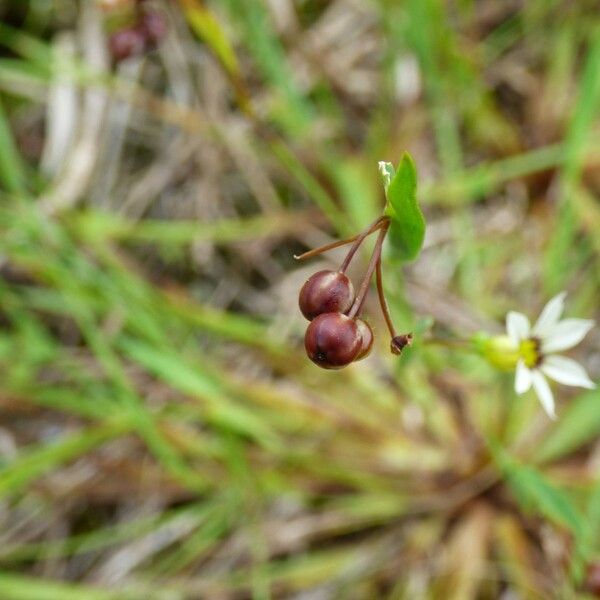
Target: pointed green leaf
<point>207,27</point>
<point>407,229</point>
<point>536,493</point>
<point>579,424</point>
<point>12,167</point>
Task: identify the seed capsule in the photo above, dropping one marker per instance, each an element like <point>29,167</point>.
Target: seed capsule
<point>332,340</point>
<point>326,292</point>
<point>366,335</point>
<point>400,342</point>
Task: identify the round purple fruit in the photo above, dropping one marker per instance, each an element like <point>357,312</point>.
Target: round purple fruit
<point>326,292</point>
<point>332,340</point>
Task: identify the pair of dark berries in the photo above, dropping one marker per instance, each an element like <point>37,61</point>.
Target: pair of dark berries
<point>337,336</point>
<point>141,36</point>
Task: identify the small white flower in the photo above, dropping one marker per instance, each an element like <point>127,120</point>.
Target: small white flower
<point>536,347</point>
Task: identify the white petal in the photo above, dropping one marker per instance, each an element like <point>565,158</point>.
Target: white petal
<point>522,378</point>
<point>544,393</point>
<point>550,315</point>
<point>517,326</point>
<point>567,371</point>
<point>565,335</point>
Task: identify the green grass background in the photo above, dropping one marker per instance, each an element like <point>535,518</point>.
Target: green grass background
<point>162,434</point>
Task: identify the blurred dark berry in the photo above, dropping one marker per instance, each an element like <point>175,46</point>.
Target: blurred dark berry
<point>326,292</point>
<point>153,26</point>
<point>366,336</point>
<point>592,579</point>
<point>332,340</point>
<point>125,43</point>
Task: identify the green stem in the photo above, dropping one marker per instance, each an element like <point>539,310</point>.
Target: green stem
<point>454,344</point>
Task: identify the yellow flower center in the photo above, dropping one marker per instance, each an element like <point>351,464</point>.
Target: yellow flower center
<point>529,352</point>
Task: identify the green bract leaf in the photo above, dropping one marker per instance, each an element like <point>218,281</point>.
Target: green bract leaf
<point>407,228</point>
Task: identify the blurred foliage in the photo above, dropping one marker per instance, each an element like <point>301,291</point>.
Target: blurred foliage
<point>162,435</point>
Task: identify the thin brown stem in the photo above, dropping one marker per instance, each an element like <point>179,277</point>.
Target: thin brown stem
<point>331,246</point>
<point>377,224</point>
<point>325,248</point>
<point>382,301</point>
<point>364,286</point>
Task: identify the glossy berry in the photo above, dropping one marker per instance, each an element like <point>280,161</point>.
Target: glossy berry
<point>126,43</point>
<point>332,340</point>
<point>366,335</point>
<point>326,292</point>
